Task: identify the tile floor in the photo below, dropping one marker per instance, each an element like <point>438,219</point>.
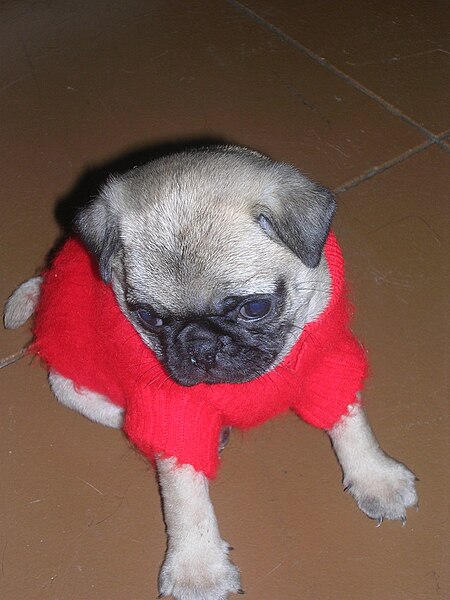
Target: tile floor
<point>356,95</point>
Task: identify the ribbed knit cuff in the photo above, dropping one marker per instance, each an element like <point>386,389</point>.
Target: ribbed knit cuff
<point>321,416</point>
<point>330,396</point>
<point>175,425</point>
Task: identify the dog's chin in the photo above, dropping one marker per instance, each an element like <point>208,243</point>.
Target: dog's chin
<point>191,374</point>
<point>195,375</point>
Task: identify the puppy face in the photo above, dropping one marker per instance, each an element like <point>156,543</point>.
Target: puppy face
<point>215,258</point>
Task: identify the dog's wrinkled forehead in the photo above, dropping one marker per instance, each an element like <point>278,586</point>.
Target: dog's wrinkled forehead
<point>204,221</point>
<point>189,236</point>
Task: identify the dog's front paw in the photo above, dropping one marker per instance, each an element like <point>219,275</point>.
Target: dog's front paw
<point>384,490</point>
<point>199,573</point>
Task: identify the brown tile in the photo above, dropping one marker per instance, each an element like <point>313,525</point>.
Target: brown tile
<point>394,230</point>
<point>83,85</point>
<point>398,50</point>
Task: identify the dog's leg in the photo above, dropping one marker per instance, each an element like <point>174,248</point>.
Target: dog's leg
<point>382,487</point>
<point>196,566</point>
<point>21,304</point>
<point>90,404</point>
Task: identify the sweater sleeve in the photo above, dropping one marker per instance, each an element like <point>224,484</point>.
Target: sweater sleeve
<point>330,381</point>
<point>175,424</point>
<point>332,364</point>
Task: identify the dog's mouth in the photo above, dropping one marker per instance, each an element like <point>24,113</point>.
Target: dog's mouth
<point>212,377</point>
<point>198,375</point>
<point>227,365</point>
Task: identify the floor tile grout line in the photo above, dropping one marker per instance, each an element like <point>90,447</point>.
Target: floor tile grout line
<point>330,67</point>
<point>384,167</point>
<point>445,147</point>
<point>432,139</point>
<point>442,139</point>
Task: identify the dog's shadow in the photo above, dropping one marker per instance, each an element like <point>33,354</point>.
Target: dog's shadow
<point>91,181</point>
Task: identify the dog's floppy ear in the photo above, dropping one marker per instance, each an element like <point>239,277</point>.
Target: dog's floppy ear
<point>98,228</point>
<point>298,213</point>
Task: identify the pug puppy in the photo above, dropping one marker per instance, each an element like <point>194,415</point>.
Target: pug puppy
<point>177,239</point>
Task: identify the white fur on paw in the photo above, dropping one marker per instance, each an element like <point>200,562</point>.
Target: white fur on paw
<point>195,573</point>
<point>384,490</point>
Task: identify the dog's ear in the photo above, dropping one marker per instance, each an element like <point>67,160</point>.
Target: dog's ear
<point>98,228</point>
<point>298,213</point>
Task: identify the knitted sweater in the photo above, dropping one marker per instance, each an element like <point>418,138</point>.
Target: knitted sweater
<point>81,333</point>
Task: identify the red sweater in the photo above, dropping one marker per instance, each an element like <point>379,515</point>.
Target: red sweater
<point>81,333</point>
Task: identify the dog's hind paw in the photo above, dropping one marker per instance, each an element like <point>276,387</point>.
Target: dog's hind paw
<point>191,574</point>
<point>384,491</point>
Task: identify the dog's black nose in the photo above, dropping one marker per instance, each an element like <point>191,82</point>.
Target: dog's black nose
<point>200,345</point>
<point>202,353</point>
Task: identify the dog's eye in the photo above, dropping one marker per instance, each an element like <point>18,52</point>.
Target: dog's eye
<point>148,318</point>
<point>255,309</point>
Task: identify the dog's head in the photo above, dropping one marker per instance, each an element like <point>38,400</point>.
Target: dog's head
<point>215,256</point>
